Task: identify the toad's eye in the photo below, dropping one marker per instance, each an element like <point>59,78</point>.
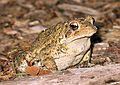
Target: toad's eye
<point>74,26</point>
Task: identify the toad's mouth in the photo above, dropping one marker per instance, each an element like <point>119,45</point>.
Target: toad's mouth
<point>75,39</point>
<point>72,39</point>
<point>79,38</point>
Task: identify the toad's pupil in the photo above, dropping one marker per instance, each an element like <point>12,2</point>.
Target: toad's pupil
<point>74,26</point>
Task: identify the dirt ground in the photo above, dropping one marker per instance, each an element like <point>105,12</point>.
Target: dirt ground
<point>98,75</point>
<point>22,20</point>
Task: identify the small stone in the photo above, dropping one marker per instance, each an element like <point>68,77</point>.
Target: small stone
<point>33,23</point>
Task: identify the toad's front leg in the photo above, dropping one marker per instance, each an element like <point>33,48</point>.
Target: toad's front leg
<point>85,62</point>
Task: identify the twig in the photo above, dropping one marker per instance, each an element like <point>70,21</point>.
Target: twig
<point>87,10</point>
<point>77,8</point>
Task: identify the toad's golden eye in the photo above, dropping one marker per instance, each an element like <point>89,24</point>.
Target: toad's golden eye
<point>74,26</point>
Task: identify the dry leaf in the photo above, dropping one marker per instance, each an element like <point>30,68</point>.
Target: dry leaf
<point>9,31</point>
<point>36,71</point>
<point>32,70</point>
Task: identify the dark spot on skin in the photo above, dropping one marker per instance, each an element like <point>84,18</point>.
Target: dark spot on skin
<point>33,63</point>
<point>38,61</point>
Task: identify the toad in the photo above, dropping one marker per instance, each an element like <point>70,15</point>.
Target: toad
<point>60,47</point>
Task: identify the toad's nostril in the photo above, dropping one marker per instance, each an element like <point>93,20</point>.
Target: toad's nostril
<point>74,26</point>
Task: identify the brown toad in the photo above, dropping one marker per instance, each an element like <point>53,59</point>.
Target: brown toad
<point>60,47</point>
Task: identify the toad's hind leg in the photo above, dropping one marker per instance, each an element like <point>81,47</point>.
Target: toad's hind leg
<point>85,62</point>
<point>50,64</point>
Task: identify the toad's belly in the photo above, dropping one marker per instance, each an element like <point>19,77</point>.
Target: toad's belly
<point>73,55</point>
<point>67,61</point>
